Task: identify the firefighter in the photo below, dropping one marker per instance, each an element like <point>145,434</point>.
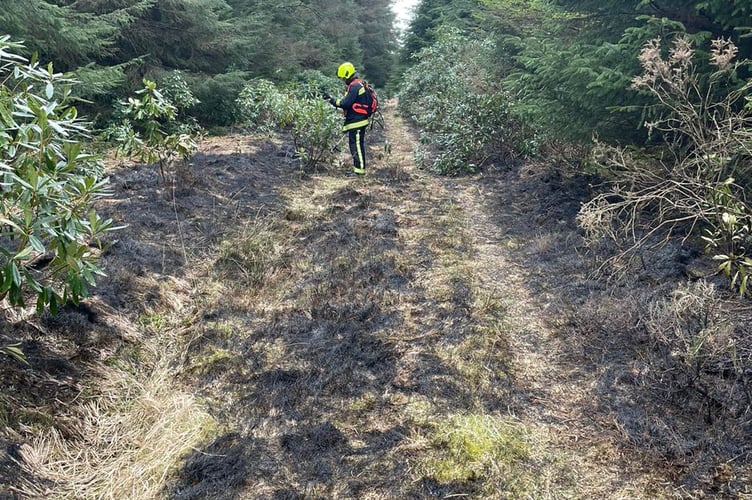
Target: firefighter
<point>356,107</point>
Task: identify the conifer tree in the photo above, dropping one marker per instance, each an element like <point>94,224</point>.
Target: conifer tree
<point>58,33</point>
<point>431,14</point>
<point>110,45</point>
<point>378,40</point>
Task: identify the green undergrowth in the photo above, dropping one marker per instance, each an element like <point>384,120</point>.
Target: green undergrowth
<point>478,448</point>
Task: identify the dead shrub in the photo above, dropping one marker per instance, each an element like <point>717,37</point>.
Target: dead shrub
<point>703,349</point>
<point>694,183</point>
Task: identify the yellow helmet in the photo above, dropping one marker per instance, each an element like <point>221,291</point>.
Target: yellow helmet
<point>345,70</point>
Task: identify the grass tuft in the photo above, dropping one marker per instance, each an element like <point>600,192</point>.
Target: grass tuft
<point>247,258</point>
<point>497,457</point>
<point>477,446</point>
<point>131,439</point>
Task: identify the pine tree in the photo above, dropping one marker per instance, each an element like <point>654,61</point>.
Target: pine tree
<point>430,15</point>
<point>58,33</point>
<point>378,40</point>
<point>191,35</point>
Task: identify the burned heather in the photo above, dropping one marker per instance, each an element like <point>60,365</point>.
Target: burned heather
<point>405,336</point>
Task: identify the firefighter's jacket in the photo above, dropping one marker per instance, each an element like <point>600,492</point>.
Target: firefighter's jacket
<point>354,105</point>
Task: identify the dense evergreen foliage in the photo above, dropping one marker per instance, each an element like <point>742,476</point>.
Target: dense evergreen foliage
<point>49,233</point>
<point>431,15</point>
<point>111,45</point>
<point>569,62</point>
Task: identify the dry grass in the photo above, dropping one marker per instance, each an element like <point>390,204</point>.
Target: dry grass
<point>248,258</point>
<point>401,336</point>
<point>132,423</point>
<point>132,436</point>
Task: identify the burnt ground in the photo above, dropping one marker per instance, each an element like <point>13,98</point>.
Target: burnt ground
<point>331,325</point>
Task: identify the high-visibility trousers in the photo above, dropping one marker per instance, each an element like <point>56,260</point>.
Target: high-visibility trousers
<point>358,149</point>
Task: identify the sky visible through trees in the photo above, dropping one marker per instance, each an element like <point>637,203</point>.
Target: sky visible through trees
<point>403,10</point>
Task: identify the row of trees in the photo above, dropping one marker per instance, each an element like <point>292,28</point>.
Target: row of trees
<point>111,45</point>
<point>569,63</point>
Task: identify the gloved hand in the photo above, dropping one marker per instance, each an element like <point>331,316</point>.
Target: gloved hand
<point>326,97</point>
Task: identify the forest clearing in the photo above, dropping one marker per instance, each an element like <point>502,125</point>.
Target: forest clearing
<point>399,336</point>
<point>536,287</point>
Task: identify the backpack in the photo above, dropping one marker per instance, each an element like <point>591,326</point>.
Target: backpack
<point>372,104</point>
<point>372,101</point>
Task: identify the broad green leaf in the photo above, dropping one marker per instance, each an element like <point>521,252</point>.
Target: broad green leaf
<point>15,274</point>
<point>7,276</point>
<point>15,351</point>
<point>36,243</point>
<point>23,254</point>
